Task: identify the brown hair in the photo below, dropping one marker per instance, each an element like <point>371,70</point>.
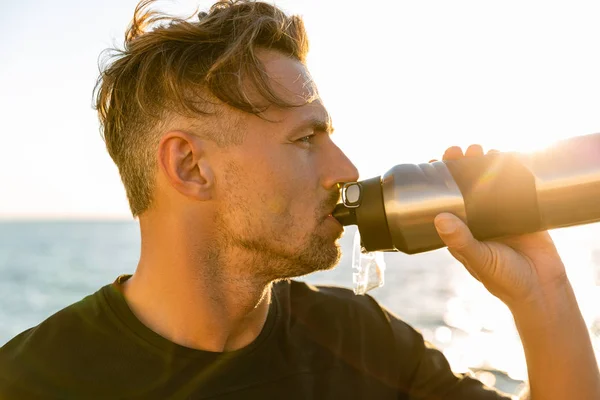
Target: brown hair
<point>176,67</point>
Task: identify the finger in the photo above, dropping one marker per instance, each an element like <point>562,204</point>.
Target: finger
<point>460,241</point>
<point>493,151</point>
<point>474,150</point>
<point>453,153</point>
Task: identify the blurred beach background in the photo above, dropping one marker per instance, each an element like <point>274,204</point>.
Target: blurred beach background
<point>403,81</point>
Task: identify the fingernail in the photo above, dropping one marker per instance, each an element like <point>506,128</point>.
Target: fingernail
<point>445,224</point>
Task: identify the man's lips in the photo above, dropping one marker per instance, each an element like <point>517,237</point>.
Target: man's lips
<point>333,219</point>
<point>330,214</point>
<point>328,211</point>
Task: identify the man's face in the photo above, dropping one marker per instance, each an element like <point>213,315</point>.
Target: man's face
<point>277,189</point>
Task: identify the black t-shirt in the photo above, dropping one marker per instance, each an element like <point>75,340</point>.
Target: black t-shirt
<point>317,343</point>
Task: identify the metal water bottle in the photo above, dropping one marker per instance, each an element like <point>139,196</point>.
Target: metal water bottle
<point>496,195</point>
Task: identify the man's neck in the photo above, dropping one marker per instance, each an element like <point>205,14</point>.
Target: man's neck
<point>177,298</point>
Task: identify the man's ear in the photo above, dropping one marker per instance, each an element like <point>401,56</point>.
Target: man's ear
<point>182,158</point>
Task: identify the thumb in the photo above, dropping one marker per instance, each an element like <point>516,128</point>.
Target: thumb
<point>459,239</point>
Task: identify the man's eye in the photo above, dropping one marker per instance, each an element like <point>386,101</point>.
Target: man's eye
<point>306,139</point>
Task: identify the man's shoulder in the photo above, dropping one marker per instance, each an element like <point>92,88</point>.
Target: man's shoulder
<point>65,337</point>
<point>63,324</point>
<point>339,307</point>
<point>357,328</point>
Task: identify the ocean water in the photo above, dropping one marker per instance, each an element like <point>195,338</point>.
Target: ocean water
<point>47,265</point>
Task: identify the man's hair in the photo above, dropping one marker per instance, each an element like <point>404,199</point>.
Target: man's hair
<point>171,66</point>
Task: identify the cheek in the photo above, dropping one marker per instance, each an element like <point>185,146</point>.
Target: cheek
<point>288,203</point>
<point>284,182</point>
<point>277,204</point>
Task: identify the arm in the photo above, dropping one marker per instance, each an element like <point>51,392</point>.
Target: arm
<point>558,350</point>
<point>527,274</point>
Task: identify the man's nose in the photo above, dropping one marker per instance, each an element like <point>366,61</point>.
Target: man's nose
<point>339,169</point>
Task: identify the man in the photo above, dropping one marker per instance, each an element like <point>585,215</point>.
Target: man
<point>223,146</point>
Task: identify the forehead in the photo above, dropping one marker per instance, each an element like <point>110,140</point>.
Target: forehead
<point>291,81</point>
<point>289,78</point>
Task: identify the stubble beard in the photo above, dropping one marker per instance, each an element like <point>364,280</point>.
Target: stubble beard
<point>268,259</point>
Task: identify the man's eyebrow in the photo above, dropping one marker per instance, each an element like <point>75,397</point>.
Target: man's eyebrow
<point>316,123</point>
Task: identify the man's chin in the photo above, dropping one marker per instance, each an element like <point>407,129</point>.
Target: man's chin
<point>321,252</point>
<point>326,259</point>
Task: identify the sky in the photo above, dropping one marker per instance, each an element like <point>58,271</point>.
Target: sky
<point>403,80</point>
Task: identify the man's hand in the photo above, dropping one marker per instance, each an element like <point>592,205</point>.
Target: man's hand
<point>527,274</point>
<point>514,269</point>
